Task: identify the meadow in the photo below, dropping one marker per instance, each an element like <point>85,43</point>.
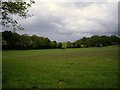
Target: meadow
<point>61,68</point>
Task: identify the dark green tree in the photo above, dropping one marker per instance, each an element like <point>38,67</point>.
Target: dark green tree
<point>95,41</point>
<point>69,44</point>
<point>76,45</point>
<point>105,40</point>
<point>59,45</point>
<point>15,40</point>
<point>54,44</point>
<point>25,42</point>
<point>88,42</point>
<point>7,39</point>
<point>46,43</point>
<point>36,42</point>
<point>114,40</point>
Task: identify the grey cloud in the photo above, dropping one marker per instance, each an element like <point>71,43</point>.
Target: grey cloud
<point>60,21</point>
<point>80,4</point>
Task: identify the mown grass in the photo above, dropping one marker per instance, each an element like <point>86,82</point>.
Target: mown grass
<point>56,68</point>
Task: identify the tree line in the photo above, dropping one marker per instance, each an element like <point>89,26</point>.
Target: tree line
<point>12,40</point>
<point>95,41</point>
<point>15,41</point>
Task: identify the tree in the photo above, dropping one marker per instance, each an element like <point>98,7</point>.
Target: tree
<point>7,39</point>
<point>69,44</point>
<point>76,45</point>
<point>46,43</point>
<point>82,41</point>
<point>114,40</point>
<point>15,40</point>
<point>59,45</point>
<point>95,41</point>
<point>12,40</point>
<point>88,42</point>
<point>36,42</point>
<point>14,8</point>
<point>105,40</point>
<point>54,44</point>
<point>25,42</point>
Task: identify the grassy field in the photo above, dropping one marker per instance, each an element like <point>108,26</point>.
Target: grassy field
<point>56,68</point>
<point>64,44</point>
<point>0,69</point>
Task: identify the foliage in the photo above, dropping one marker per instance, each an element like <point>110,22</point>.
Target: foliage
<point>97,41</point>
<point>72,45</point>
<point>12,40</point>
<point>8,9</point>
<point>59,45</point>
<point>69,44</point>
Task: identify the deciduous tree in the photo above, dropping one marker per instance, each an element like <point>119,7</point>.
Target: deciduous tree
<point>14,7</point>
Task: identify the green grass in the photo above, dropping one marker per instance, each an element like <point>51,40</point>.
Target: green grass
<point>56,68</point>
<point>64,44</point>
<point>0,69</point>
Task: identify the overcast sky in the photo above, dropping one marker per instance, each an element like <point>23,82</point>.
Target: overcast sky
<point>69,21</point>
